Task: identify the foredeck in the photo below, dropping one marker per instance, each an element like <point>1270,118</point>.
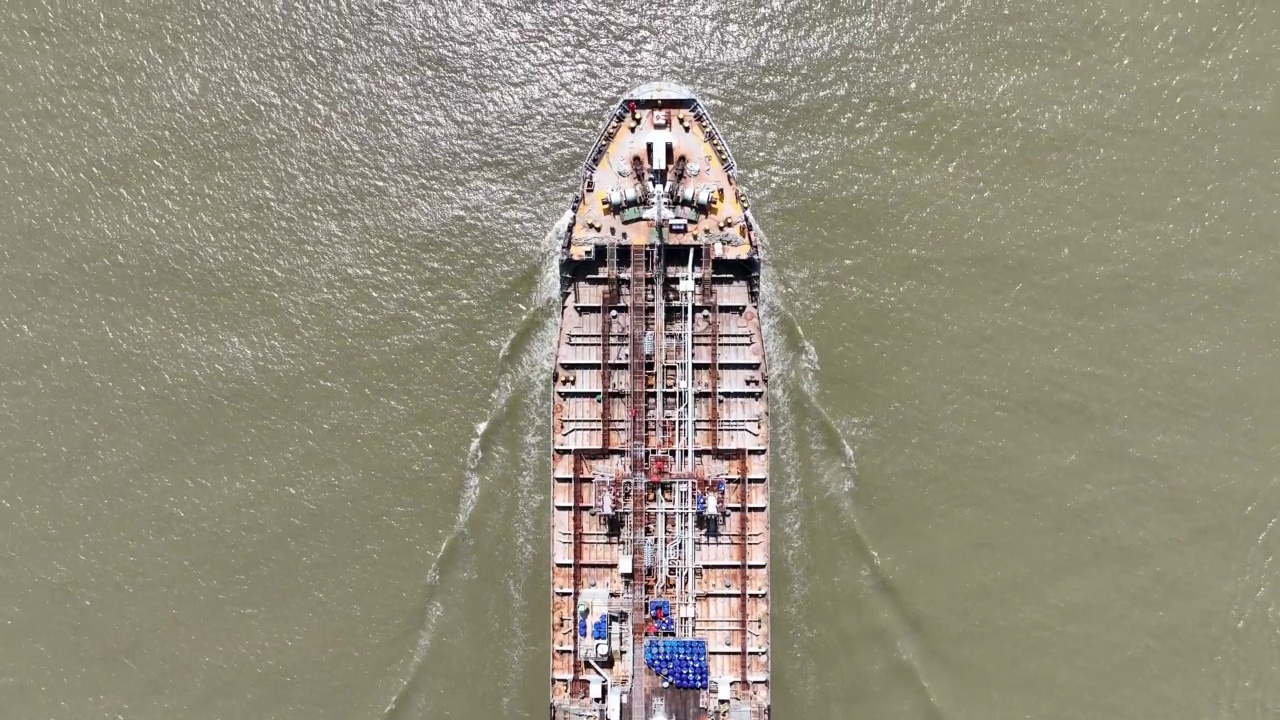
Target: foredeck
<point>660,431</point>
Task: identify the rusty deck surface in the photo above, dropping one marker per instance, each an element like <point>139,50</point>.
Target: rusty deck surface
<point>660,429</point>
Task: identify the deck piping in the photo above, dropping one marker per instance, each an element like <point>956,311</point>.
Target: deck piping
<point>742,544</point>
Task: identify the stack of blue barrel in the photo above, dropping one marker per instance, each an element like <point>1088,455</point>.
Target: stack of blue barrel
<point>600,630</point>
<point>660,611</point>
<point>682,662</point>
<point>582,626</point>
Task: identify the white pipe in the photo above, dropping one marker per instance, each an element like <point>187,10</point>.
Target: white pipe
<point>690,392</point>
<point>608,681</point>
<point>659,337</point>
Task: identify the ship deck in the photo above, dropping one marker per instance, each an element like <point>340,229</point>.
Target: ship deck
<point>660,430</point>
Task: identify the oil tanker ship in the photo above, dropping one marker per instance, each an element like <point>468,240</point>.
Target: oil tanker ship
<point>660,430</point>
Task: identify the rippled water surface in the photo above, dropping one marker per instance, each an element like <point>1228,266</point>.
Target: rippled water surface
<point>276,314</point>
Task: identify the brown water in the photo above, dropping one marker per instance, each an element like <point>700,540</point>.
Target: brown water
<point>275,314</point>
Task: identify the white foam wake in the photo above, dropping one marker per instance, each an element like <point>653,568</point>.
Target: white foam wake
<point>519,365</point>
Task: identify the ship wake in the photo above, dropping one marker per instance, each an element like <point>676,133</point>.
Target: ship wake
<point>524,360</point>
<point>810,443</point>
